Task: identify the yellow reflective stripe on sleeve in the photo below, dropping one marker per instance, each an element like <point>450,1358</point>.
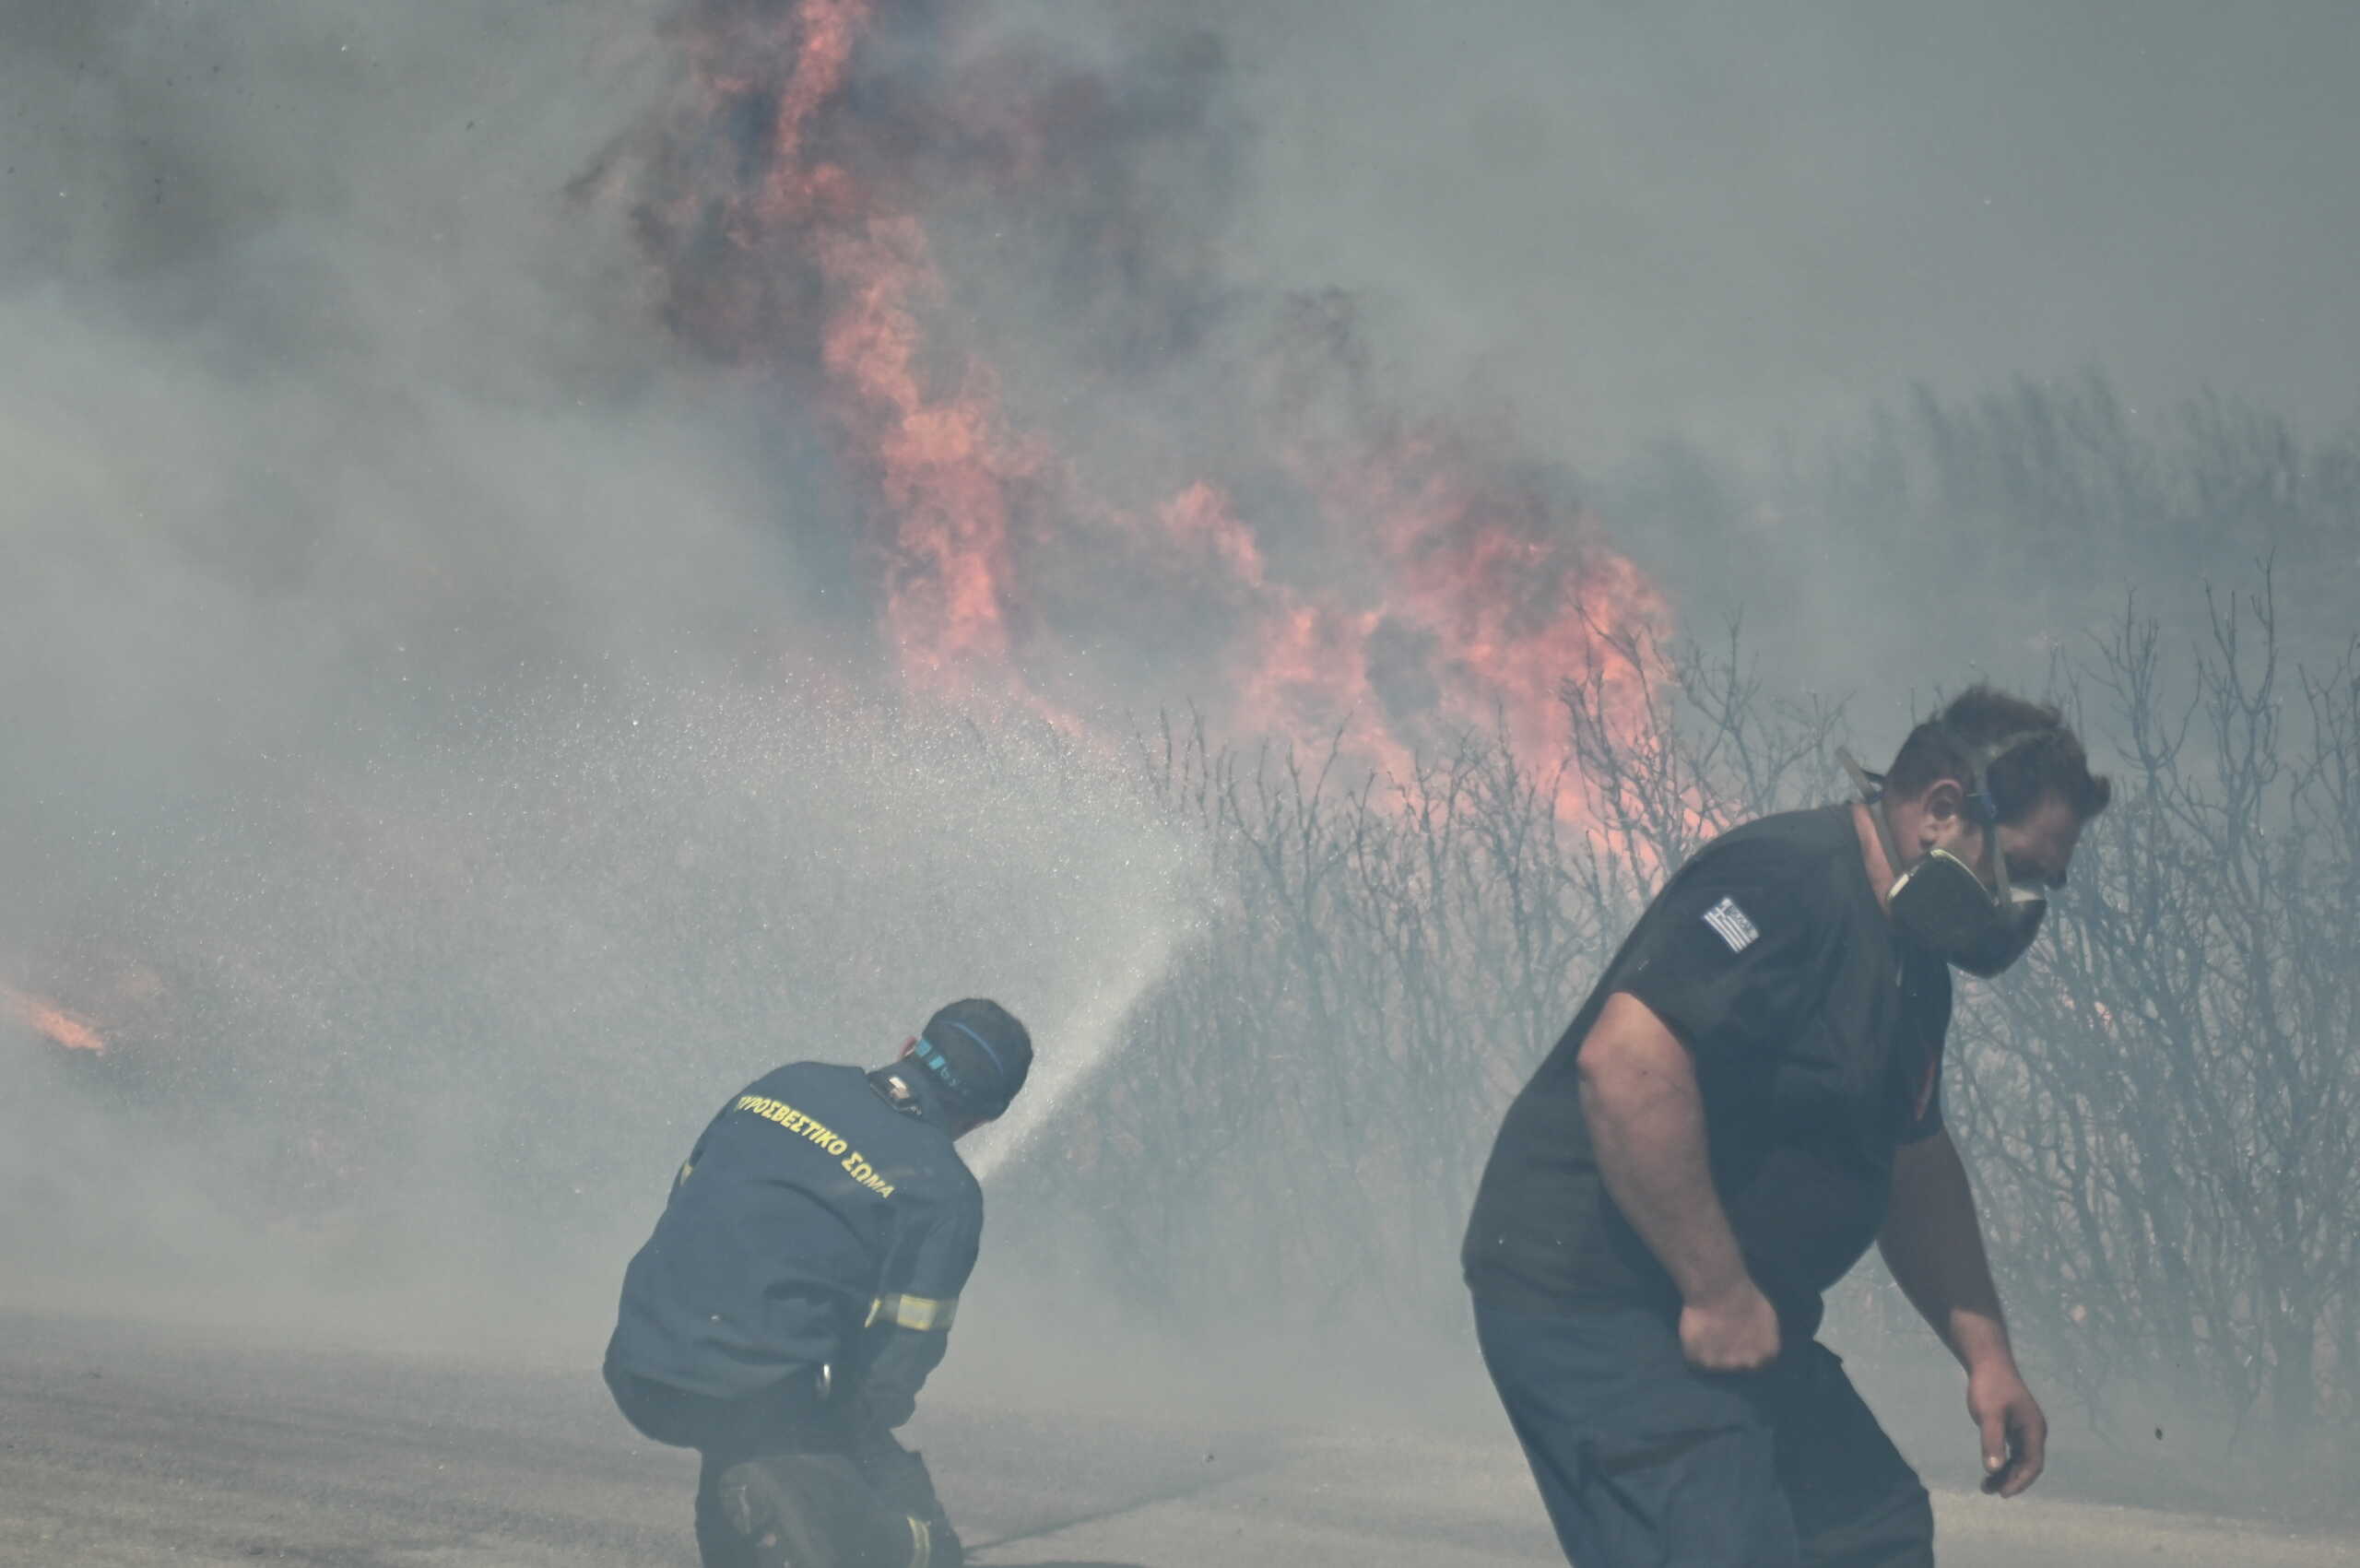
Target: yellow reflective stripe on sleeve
<point>923,1314</point>
<point>921,1543</point>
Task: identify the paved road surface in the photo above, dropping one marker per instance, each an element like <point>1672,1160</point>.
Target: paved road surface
<point>124,1445</point>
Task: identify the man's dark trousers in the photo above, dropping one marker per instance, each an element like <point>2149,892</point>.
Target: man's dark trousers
<point>874,1486</point>
<point>1643,1459</point>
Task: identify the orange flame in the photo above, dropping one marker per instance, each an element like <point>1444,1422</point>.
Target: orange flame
<point>52,1023</point>
<point>1424,586</point>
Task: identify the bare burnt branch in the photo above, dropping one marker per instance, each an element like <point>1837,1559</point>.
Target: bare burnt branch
<point>2163,1101</point>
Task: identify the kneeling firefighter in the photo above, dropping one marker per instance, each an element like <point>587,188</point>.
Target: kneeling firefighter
<point>800,1286</point>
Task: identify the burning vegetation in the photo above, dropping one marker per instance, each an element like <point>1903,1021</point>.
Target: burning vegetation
<point>1084,465</point>
<point>50,1023</point>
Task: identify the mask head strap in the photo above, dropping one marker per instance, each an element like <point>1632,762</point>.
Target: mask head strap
<point>1870,785</point>
<point>1985,807</point>
<point>1871,788</point>
<point>1981,801</point>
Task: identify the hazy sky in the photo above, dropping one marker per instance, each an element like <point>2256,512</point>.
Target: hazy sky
<point>1724,217</point>
<point>1728,216</point>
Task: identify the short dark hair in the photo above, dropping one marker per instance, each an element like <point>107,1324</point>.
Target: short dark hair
<point>2044,757</point>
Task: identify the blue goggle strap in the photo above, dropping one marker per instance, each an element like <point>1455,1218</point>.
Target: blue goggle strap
<point>940,1065</point>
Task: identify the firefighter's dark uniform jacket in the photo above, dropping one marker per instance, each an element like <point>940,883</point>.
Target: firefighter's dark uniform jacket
<point>816,1224</point>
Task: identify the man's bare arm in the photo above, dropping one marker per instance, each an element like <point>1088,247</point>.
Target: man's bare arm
<point>1646,1122</point>
<point>1933,1244</point>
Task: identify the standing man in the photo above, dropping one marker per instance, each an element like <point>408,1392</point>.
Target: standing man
<point>800,1288</point>
<point>1750,1097</point>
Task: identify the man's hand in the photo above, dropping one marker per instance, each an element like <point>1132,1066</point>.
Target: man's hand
<point>1735,1331</point>
<point>1934,1245</point>
<point>2015,1434</point>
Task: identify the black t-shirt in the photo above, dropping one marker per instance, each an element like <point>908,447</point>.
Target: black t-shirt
<point>814,1224</point>
<point>1817,1032</point>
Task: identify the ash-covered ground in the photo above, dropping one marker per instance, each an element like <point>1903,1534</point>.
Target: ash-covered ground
<point>133,1443</point>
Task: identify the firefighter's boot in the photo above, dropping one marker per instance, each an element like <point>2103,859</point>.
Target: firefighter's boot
<point>817,1511</point>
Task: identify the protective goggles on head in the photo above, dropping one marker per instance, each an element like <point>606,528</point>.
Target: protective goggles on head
<point>979,1081</point>
<point>1940,900</point>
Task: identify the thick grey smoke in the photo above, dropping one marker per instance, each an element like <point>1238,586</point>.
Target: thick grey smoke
<point>420,758</point>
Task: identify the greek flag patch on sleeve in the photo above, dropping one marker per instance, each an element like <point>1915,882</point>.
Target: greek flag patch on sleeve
<point>1730,924</point>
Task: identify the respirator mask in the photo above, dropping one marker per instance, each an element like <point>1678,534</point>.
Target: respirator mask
<point>1940,900</point>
